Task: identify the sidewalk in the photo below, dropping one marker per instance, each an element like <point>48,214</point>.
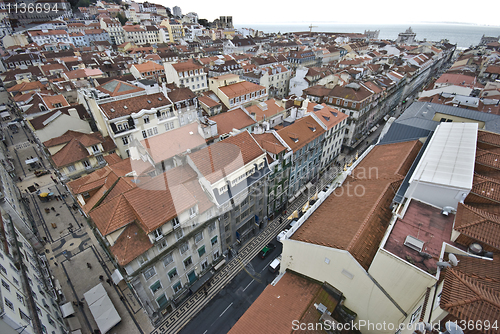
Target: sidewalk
<point>70,243</point>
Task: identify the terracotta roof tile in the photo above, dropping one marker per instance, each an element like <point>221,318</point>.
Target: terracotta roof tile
<point>300,133</point>
<point>113,215</point>
<point>240,88</point>
<point>162,198</point>
<point>225,157</point>
<point>180,140</point>
<point>130,244</point>
<point>478,224</point>
<point>277,306</point>
<point>269,143</point>
<point>265,109</point>
<point>360,226</point>
<point>233,119</point>
<point>471,291</point>
<point>128,106</point>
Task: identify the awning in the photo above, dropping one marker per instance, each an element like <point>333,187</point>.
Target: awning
<point>67,309</point>
<point>202,280</point>
<point>102,309</point>
<point>116,276</point>
<point>44,194</point>
<point>30,161</point>
<point>220,264</point>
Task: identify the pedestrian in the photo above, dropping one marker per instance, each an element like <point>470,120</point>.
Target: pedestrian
<point>205,291</point>
<point>101,278</point>
<point>36,185</point>
<point>89,265</point>
<point>55,264</point>
<point>122,299</point>
<point>108,281</point>
<point>20,179</point>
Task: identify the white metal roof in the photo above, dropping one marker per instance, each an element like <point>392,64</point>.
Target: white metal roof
<point>450,156</point>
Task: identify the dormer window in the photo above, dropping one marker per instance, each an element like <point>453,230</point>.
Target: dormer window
<point>146,119</point>
<point>158,234</point>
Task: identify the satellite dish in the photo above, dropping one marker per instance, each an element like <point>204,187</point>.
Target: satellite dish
<point>453,259</point>
<point>453,328</point>
<point>442,265</point>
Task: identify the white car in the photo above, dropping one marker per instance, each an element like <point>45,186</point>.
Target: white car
<point>281,235</point>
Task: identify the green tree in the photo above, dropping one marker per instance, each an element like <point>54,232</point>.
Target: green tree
<point>204,22</point>
<point>121,18</point>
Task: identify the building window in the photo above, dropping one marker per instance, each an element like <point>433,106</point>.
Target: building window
<point>214,240</point>
<point>192,211</point>
<point>179,234</point>
<point>71,168</point>
<point>177,287</point>
<point>20,298</point>
<point>175,222</point>
<point>184,247</point>
<point>149,273</point>
<point>142,259</point>
<point>162,244</point>
<point>216,254</point>
<point>172,273</point>
<point>198,237</point>
<point>415,315</point>
<point>2,268</point>
<point>125,140</point>
<point>5,285</point>
<point>144,135</point>
<point>162,301</point>
<point>187,262</point>
<point>168,259</point>
<point>201,251</point>
<point>86,164</point>
<point>158,234</point>
<point>9,303</point>
<point>155,286</point>
<point>24,316</point>
<point>211,227</point>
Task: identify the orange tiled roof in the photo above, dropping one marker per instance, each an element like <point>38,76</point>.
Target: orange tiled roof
<point>130,244</point>
<point>478,224</point>
<point>269,143</point>
<point>240,88</point>
<point>268,109</point>
<point>148,66</point>
<point>128,106</point>
<point>360,226</point>
<point>162,199</point>
<point>471,291</point>
<point>233,119</point>
<point>300,133</point>
<point>278,306</point>
<point>225,157</point>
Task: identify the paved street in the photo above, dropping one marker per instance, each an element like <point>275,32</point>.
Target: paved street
<point>224,310</point>
<point>69,243</point>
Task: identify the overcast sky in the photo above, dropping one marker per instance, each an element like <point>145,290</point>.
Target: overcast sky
<point>343,11</point>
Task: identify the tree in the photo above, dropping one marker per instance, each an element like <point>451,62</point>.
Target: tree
<point>204,22</point>
<point>121,18</point>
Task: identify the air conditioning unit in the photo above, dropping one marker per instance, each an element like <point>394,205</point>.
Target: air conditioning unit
<point>414,243</point>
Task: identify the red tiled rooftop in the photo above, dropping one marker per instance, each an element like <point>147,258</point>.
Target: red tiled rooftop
<point>233,119</point>
<point>362,222</point>
<point>278,306</point>
<point>225,157</point>
<point>471,291</point>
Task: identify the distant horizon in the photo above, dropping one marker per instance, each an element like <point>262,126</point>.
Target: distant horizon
<point>359,23</point>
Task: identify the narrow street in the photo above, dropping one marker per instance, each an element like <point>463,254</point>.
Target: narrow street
<point>68,242</point>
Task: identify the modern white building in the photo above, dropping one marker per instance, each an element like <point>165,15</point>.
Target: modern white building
<point>444,174</point>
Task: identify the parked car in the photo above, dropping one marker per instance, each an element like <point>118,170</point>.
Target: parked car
<point>266,250</point>
<point>275,265</point>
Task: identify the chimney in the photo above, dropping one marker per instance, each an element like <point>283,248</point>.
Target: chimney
<point>73,113</point>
